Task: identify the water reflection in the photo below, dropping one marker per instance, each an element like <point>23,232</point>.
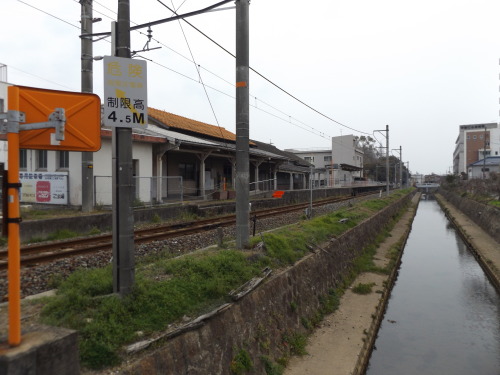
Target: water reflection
<point>443,315</point>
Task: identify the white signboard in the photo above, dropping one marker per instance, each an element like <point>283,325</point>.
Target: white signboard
<point>44,187</point>
<point>125,93</point>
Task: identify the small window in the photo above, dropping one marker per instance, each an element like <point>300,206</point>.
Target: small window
<point>1,105</point>
<point>41,159</point>
<point>474,137</point>
<point>327,158</point>
<point>480,137</point>
<point>63,159</point>
<point>23,159</point>
<point>468,137</point>
<point>186,170</point>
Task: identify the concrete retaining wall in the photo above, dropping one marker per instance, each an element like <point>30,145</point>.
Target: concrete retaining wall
<point>259,321</point>
<point>487,217</point>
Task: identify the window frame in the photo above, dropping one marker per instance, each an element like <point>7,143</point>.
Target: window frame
<point>41,160</point>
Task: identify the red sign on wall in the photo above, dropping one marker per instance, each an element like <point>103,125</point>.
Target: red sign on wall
<point>43,191</point>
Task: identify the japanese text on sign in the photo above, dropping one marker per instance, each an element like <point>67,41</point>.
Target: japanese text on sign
<point>125,92</point>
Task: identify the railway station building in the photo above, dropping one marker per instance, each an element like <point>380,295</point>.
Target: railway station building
<point>174,158</point>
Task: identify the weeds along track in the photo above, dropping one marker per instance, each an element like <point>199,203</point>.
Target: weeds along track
<point>47,252</point>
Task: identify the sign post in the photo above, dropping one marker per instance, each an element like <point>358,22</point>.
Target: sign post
<point>46,120</point>
<point>125,107</point>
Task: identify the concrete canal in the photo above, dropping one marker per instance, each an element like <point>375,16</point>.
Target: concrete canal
<point>443,316</point>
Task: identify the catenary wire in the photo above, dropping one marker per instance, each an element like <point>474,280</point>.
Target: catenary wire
<point>313,131</point>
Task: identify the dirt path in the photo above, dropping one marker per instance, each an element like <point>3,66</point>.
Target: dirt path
<point>334,348</point>
<point>483,244</point>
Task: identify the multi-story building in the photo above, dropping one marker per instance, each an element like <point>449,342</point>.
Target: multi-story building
<point>474,142</point>
<point>340,165</point>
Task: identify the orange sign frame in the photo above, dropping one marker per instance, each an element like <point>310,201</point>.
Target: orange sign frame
<point>83,118</point>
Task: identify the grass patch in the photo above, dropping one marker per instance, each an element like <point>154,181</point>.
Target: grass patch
<point>363,288</point>
<point>167,289</point>
<point>105,322</point>
<point>271,367</point>
<point>494,203</point>
<point>241,362</point>
<point>61,234</point>
<point>295,343</point>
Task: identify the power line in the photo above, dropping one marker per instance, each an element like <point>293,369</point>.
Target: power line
<point>315,131</point>
<point>267,79</point>
<point>51,15</point>
<point>199,75</point>
<point>311,129</point>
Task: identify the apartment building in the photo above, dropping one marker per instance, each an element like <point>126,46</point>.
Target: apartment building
<point>474,142</point>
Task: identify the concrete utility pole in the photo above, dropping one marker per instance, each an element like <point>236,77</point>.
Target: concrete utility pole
<point>484,154</point>
<point>87,86</point>
<point>401,167</point>
<point>242,124</point>
<point>387,158</point>
<point>123,215</point>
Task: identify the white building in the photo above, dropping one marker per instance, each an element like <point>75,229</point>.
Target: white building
<point>473,143</point>
<point>483,168</point>
<point>342,165</point>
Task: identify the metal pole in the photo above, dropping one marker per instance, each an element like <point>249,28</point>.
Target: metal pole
<point>484,154</point>
<point>87,86</point>
<point>408,174</point>
<point>310,192</point>
<point>387,158</point>
<point>123,215</point>
<point>242,123</point>
<point>400,167</point>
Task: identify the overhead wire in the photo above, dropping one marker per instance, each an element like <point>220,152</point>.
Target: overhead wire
<point>268,80</point>
<point>198,71</point>
<point>312,130</point>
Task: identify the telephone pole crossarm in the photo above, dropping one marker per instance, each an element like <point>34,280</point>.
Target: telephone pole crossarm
<point>165,20</point>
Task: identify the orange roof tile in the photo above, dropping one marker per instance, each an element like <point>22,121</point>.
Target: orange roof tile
<point>183,123</point>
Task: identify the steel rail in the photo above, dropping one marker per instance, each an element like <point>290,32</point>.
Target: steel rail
<point>41,253</point>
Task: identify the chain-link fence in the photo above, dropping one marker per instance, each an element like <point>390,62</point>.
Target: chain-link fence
<point>147,191</point>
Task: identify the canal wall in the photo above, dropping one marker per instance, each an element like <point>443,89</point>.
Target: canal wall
<point>481,243</point>
<point>485,216</point>
<point>261,326</point>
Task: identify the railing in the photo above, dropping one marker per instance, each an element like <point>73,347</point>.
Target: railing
<point>147,191</point>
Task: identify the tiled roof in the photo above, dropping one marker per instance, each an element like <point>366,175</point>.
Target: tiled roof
<point>270,148</point>
<point>182,123</point>
<point>490,160</point>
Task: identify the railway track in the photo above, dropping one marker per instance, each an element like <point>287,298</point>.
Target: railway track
<point>46,252</point>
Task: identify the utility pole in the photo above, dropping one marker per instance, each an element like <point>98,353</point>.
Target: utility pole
<point>123,215</point>
<point>88,87</point>
<point>400,167</point>
<point>242,124</point>
<point>310,192</point>
<point>484,154</point>
<point>387,158</point>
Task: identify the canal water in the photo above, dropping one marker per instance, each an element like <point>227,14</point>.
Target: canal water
<point>443,315</point>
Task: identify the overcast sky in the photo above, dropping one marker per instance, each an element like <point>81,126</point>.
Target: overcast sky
<point>422,67</point>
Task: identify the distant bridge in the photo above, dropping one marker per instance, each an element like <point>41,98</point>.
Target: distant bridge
<point>428,186</point>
